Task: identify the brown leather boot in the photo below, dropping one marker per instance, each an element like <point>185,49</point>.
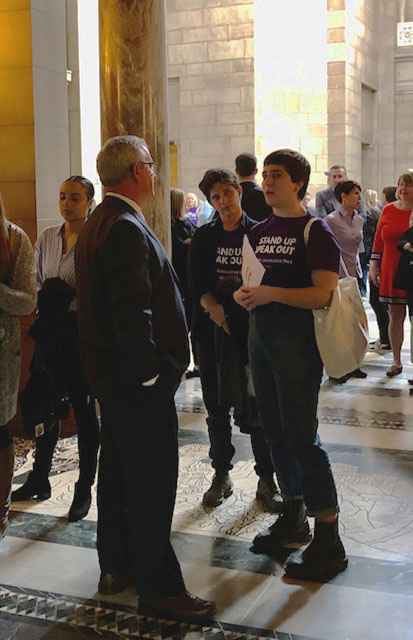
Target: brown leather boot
<point>6,478</point>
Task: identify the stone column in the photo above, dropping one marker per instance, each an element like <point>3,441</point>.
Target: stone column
<point>134,88</point>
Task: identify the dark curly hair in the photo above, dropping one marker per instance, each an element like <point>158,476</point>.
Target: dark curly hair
<point>212,176</point>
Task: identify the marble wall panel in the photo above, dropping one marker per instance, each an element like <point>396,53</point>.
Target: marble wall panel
<point>16,114</point>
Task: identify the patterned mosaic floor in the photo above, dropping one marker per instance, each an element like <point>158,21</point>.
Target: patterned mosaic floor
<point>49,571</point>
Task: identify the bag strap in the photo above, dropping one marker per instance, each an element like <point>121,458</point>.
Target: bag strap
<point>307,230</point>
<point>307,237</point>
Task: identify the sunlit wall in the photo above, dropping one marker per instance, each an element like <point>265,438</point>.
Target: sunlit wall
<point>17,163</point>
<point>291,80</point>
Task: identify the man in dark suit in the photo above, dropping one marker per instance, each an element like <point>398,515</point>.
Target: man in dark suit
<point>325,200</point>
<point>135,347</point>
<point>252,199</point>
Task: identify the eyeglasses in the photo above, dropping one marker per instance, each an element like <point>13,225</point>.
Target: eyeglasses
<point>151,164</point>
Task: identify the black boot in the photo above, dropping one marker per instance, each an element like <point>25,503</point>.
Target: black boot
<point>35,487</point>
<point>37,484</point>
<point>220,489</point>
<point>323,559</point>
<point>82,500</point>
<point>290,530</point>
<point>268,495</point>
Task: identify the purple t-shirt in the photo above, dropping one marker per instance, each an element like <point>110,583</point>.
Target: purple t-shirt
<point>228,262</point>
<point>279,245</point>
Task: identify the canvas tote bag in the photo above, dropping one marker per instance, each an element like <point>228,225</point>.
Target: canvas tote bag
<point>341,329</point>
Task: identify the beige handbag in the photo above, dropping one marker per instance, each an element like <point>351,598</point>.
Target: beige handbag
<point>341,329</point>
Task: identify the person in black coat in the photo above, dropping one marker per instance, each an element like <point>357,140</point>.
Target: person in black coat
<point>220,330</point>
<point>134,340</point>
<point>182,232</point>
<point>252,199</point>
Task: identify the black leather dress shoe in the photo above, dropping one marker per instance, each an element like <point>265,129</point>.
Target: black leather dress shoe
<point>109,584</point>
<point>183,607</point>
<point>33,489</point>
<point>80,506</point>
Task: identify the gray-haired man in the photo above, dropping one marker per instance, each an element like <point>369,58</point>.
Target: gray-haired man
<point>135,346</point>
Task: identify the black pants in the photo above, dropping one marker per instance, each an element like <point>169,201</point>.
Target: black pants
<point>287,373</point>
<point>138,474</point>
<point>218,403</point>
<point>87,434</point>
<point>6,439</point>
<point>381,313</point>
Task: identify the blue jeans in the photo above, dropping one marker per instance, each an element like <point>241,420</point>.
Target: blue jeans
<point>287,372</point>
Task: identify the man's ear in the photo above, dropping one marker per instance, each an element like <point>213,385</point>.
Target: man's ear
<point>136,169</point>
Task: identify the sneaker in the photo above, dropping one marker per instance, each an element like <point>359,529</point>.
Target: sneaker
<point>220,489</point>
<point>289,531</point>
<point>268,495</point>
<point>33,488</point>
<point>323,559</point>
<point>379,347</point>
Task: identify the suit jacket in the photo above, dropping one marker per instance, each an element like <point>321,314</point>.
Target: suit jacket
<point>131,316</point>
<point>253,202</point>
<point>326,202</point>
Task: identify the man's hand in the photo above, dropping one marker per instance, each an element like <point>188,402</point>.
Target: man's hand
<point>217,314</point>
<point>251,297</point>
<point>215,311</point>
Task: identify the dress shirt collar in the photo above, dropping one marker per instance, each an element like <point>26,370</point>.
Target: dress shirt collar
<point>128,201</point>
<point>343,214</point>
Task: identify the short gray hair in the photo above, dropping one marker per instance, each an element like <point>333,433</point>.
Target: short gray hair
<point>116,158</point>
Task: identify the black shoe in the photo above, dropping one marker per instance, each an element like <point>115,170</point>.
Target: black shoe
<point>110,584</point>
<point>341,380</point>
<point>358,373</point>
<point>323,559</point>
<point>268,495</point>
<point>220,489</point>
<point>80,506</point>
<point>33,488</point>
<point>185,606</point>
<point>290,530</point>
<point>192,373</point>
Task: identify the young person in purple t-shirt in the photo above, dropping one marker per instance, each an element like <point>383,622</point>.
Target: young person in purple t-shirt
<point>287,368</point>
<point>220,332</point>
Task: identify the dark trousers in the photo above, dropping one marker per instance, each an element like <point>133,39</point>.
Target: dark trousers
<point>287,373</point>
<point>87,435</point>
<point>138,474</point>
<point>362,282</point>
<point>218,408</point>
<point>6,439</point>
<point>381,313</point>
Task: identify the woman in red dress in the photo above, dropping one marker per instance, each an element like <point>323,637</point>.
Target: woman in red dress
<point>393,223</point>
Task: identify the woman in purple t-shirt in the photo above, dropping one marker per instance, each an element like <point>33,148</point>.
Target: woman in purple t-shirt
<point>287,368</point>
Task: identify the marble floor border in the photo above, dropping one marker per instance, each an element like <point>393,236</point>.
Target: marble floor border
<point>117,620</point>
<point>372,574</point>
